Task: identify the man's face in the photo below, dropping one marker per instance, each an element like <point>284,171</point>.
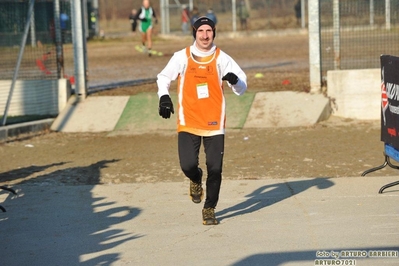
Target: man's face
<point>204,38</point>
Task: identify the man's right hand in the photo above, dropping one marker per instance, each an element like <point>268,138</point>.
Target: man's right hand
<point>165,106</point>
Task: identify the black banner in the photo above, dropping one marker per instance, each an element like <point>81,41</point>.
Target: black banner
<point>390,100</point>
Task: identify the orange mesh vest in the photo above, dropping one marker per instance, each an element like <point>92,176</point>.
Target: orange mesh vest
<point>201,99</point>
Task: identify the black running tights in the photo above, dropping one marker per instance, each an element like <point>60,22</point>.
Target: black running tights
<point>189,147</point>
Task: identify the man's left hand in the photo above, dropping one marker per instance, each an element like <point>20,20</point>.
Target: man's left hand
<point>231,78</point>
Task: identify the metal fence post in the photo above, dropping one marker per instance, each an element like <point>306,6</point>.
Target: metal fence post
<point>163,20</point>
<point>78,48</point>
<point>337,37</point>
<point>303,22</point>
<point>314,46</point>
<point>167,16</point>
<point>95,11</point>
<point>58,40</point>
<point>388,14</point>
<point>371,12</point>
<point>33,30</point>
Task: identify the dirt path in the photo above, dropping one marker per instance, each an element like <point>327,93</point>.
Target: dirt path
<point>329,149</point>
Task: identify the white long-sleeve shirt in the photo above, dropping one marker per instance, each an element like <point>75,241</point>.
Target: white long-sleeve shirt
<point>177,65</point>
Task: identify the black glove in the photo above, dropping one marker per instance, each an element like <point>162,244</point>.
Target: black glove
<point>144,19</point>
<point>165,106</point>
<point>231,78</point>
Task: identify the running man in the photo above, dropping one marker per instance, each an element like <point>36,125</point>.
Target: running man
<point>201,69</point>
<point>145,14</point>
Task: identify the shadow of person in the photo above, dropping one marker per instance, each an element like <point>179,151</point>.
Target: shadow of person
<point>21,173</point>
<point>67,223</point>
<point>268,195</point>
<point>24,172</point>
<point>86,175</point>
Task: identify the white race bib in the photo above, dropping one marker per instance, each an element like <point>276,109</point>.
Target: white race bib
<point>202,91</point>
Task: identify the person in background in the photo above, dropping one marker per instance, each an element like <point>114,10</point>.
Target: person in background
<point>145,14</point>
<point>93,20</point>
<point>194,15</point>
<point>133,20</point>
<point>64,18</point>
<point>243,14</point>
<point>298,11</point>
<point>211,15</point>
<point>185,19</point>
<point>201,114</point>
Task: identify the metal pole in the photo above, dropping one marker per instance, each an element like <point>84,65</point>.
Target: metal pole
<point>303,23</point>
<point>190,5</point>
<point>85,19</point>
<point>163,20</point>
<point>21,52</point>
<point>95,10</point>
<point>86,36</point>
<point>314,46</point>
<point>388,14</point>
<point>337,37</point>
<point>167,22</point>
<point>33,30</point>
<point>371,12</point>
<point>234,15</point>
<point>78,47</point>
<point>58,40</point>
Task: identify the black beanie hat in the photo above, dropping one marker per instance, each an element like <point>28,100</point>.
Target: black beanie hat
<point>203,21</point>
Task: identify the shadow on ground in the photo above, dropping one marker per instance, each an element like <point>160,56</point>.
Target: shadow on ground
<point>268,195</point>
<point>53,230</point>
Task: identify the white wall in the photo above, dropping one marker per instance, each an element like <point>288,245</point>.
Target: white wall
<point>35,97</point>
<point>355,94</point>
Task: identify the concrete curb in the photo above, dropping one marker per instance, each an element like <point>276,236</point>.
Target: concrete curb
<point>94,114</point>
<point>23,128</point>
<point>287,109</point>
<point>136,115</point>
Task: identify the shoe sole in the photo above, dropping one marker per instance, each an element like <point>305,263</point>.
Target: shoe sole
<point>210,222</point>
